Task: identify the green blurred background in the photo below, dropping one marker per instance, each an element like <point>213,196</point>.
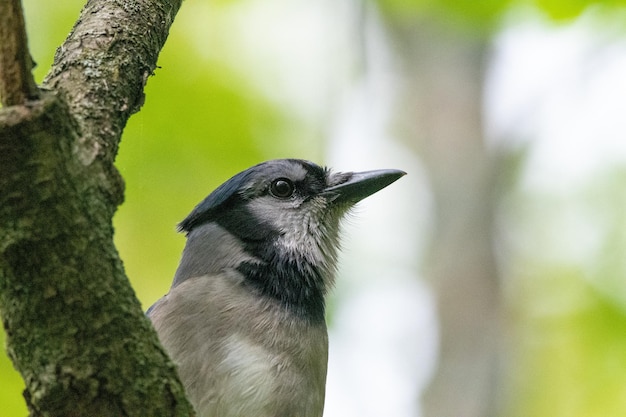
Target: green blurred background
<point>491,280</point>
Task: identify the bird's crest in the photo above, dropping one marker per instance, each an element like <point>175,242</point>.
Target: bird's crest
<point>205,210</point>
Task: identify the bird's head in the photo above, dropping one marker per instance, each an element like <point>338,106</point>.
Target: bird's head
<point>280,222</point>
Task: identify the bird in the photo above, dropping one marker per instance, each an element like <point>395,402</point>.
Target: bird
<point>244,318</point>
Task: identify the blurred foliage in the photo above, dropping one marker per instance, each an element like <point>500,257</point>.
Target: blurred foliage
<point>568,9</point>
<point>566,298</point>
<point>569,353</point>
<point>484,16</point>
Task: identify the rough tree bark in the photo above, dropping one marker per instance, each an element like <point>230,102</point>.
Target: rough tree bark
<point>75,330</point>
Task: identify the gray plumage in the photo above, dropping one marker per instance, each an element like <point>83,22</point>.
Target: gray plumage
<point>244,318</point>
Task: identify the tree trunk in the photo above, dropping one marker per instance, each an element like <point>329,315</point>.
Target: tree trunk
<point>75,330</point>
<point>441,114</point>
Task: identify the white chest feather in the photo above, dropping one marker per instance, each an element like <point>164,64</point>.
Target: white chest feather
<point>251,372</point>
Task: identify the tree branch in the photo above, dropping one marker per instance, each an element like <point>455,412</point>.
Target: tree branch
<point>105,62</point>
<point>17,84</point>
<point>75,330</point>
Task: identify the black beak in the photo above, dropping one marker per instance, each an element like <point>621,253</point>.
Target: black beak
<point>362,184</point>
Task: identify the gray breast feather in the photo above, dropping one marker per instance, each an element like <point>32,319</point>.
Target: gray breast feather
<point>239,354</point>
<point>209,250</point>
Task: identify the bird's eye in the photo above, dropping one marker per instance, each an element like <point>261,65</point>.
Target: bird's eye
<point>282,188</point>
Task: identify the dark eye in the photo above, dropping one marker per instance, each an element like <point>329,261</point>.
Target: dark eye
<point>282,188</point>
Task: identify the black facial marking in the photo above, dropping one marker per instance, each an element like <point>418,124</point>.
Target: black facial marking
<point>241,223</point>
<point>297,287</point>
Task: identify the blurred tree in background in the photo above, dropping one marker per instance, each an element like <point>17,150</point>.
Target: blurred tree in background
<point>523,331</point>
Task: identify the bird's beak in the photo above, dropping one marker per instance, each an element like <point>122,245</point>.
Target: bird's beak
<point>362,184</point>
